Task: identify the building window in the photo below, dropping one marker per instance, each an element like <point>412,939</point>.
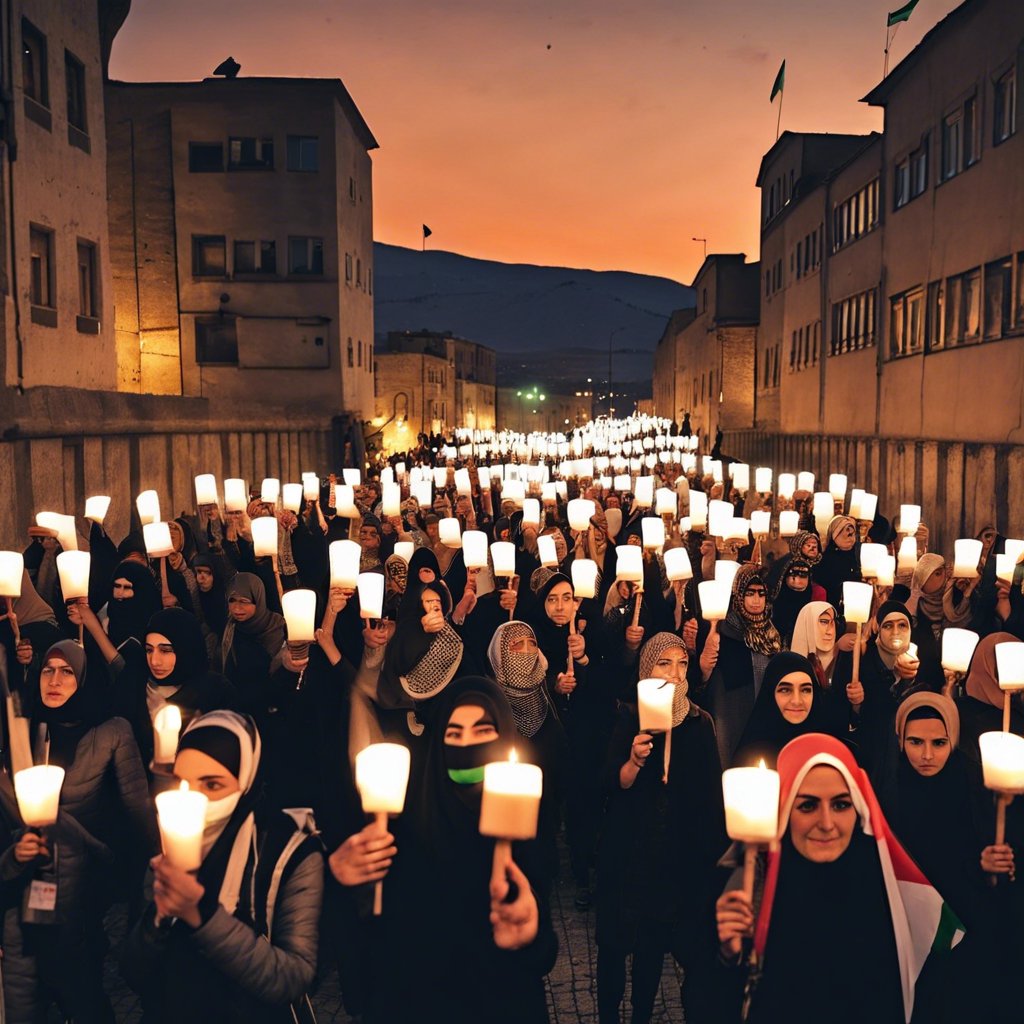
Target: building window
<point>74,73</point>
<point>303,153</point>
<point>359,273</point>
<point>350,353</point>
<point>854,323</point>
<point>204,157</point>
<point>216,341</point>
<point>359,350</point>
<point>911,176</point>
<point>250,154</point>
<point>209,256</point>
<point>998,295</point>
<point>255,257</point>
<point>1004,107</point>
<point>348,268</point>
<point>972,137</point>
<point>88,291</point>
<point>933,317</point>
<point>305,255</point>
<point>855,216</point>
<point>952,145</point>
<point>34,77</point>
<point>906,323</point>
<point>41,284</point>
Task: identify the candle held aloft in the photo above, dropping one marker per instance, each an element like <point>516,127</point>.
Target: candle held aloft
<point>270,490</point>
<point>677,565</point>
<point>511,800</point>
<point>1002,761</point>
<point>584,577</point>
<point>235,496</point>
<point>344,557</point>
<point>789,523</point>
<point>449,532</point>
<point>580,511</point>
<point>958,648</point>
<point>157,537</point>
<point>382,777</point>
<point>714,599</point>
<point>206,489</point>
<point>653,532</point>
<point>264,536</point>
<point>547,552</point>
<point>503,555</point>
<point>148,504</point>
<point>166,730</point>
<point>1010,665</point>
<point>96,507</point>
<point>629,563</point>
<point>181,814</point>
<point>654,702</point>
<point>12,570</point>
<point>857,601</point>
<point>292,497</point>
<point>299,610</point>
<point>371,595</point>
<point>966,556</point>
<point>73,570</point>
<point>38,793</point>
<point>751,798</point>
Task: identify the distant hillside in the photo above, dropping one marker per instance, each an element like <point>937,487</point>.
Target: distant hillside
<point>533,316</point>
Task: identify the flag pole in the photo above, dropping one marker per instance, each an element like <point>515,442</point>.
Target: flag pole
<point>778,120</point>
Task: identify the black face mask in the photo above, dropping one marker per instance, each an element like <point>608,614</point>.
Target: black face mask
<point>466,764</point>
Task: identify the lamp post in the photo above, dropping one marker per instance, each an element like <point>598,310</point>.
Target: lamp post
<point>533,395</point>
<point>610,336</point>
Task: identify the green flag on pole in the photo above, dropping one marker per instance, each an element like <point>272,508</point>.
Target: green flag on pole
<point>780,80</point>
<point>903,14</point>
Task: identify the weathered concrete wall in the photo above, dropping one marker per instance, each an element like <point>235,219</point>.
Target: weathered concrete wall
<point>961,487</point>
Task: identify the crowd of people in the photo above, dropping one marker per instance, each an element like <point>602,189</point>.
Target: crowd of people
<point>875,742</point>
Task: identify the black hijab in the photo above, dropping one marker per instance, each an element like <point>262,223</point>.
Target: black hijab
<point>214,603</point>
<point>422,558</point>
<point>787,603</point>
<point>265,626</point>
<point>552,639</point>
<point>129,617</point>
<point>67,724</point>
<point>186,637</point>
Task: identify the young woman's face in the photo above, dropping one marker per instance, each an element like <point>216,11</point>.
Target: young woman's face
<point>825,631</point>
<point>926,744</point>
<point>755,598</point>
<point>894,633</point>
<point>559,605</point>
<point>798,578</point>
<point>935,582</point>
<point>794,694</point>
<point>124,589</point>
<point>160,656</point>
<point>205,775</point>
<point>241,609</point>
<point>811,547</point>
<point>57,682</point>
<point>671,665</point>
<point>469,725</point>
<point>204,578</point>
<point>823,818</point>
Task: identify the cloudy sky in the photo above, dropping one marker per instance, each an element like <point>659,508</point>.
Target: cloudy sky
<point>601,134</point>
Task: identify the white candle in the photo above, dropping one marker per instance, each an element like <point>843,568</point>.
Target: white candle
<point>787,485</point>
<point>351,476</point>
<point>857,601</point>
<point>885,570</point>
<point>720,515</point>
<point>1014,549</point>
<point>450,532</point>
<point>685,524</point>
<point>824,510</point>
<point>371,595</point>
<point>73,569</point>
<point>166,730</point>
<point>584,577</point>
<point>264,536</point>
<point>868,507</point>
<point>870,557</point>
<point>714,599</point>
<point>148,504</point>
<point>789,523</point>
<point>310,486</point>
<point>1002,761</point>
<point>503,555</point>
<point>511,800</point>
<point>531,512</point>
<point>629,563</point>
<point>760,523</point>
<point>235,495</point>
<point>299,610</point>
<point>440,477</point>
<point>958,648</point>
<point>751,797</point>
<point>206,489</point>
<point>514,491</point>
<point>1005,567</point>
<point>345,502</point>
<point>292,497</point>
<point>654,702</point>
<point>805,481</point>
<point>96,507</point>
<point>653,531</point>
<point>698,509</point>
<point>677,565</point>
<point>423,492</point>
<point>622,482</point>
<point>1010,665</point>
<point>906,560</point>
<point>547,551</point>
<point>38,793</point>
<point>763,480</point>
<point>910,519</point>
<point>12,570</point>
<point>391,499</point>
<point>665,501</point>
<point>549,493</point>
<point>740,473</point>
<point>643,493</point>
<point>382,777</point>
<point>580,511</point>
<point>474,549</point>
<point>463,485</point>
<point>181,814</point>
<point>738,529</point>
<point>725,572</point>
<point>404,550</point>
<point>344,558</point>
<point>157,537</point>
<point>837,486</point>
<point>270,490</point>
<point>966,556</point>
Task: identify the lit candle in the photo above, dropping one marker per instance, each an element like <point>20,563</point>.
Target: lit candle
<point>292,497</point>
<point>654,702</point>
<point>206,489</point>
<point>514,491</point>
<point>789,523</point>
<point>531,512</point>
<point>503,555</point>
<point>857,601</point>
<point>474,549</point>
<point>643,494</point>
<point>73,570</point>
<point>38,793</point>
<point>345,502</point>
<point>391,499</point>
<point>166,730</point>
<point>405,548</point>
<point>760,523</point>
<point>714,599</point>
<point>580,511</point>
<point>440,477</point>
<point>148,504</point>
<point>910,519</point>
<point>1010,665</point>
<point>235,495</point>
<point>157,537</point>
<point>763,480</point>
<point>737,529</point>
<point>966,556</point>
<point>511,799</point>
<point>677,565</point>
<point>653,531</point>
<point>665,502</point>
<point>1002,761</point>
<point>837,486</point>
<point>1005,567</point>
<point>310,487</point>
<point>182,817</point>
<point>371,595</point>
<point>264,536</point>
<point>868,507</point>
<point>270,490</point>
<point>805,481</point>
<point>584,577</point>
<point>740,473</point>
<point>463,484</point>
<point>720,515</point>
<point>1013,548</point>
<point>450,532</point>
<point>725,572</point>
<point>885,570</point>
<point>344,558</point>
<point>12,570</point>
<point>958,648</point>
<point>906,559</point>
<point>870,557</point>
<point>856,501</point>
<point>629,563</point>
<point>546,551</point>
<point>382,777</point>
<point>751,797</point>
<point>622,483</point>
<point>423,492</point>
<point>787,485</point>
<point>824,510</point>
<point>352,477</point>
<point>698,510</point>
<point>299,610</point>
<point>96,507</point>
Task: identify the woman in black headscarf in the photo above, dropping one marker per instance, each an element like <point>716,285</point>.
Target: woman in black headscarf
<point>659,845</point>
<point>467,949</point>
<point>251,645</point>
<point>840,561</point>
<point>245,926</point>
<point>805,545</point>
<point>55,953</point>
<point>792,594</point>
<point>213,601</point>
<point>132,601</point>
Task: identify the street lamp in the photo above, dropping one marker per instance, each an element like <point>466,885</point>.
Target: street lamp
<point>610,336</point>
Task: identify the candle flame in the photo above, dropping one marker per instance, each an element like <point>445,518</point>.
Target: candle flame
<point>762,765</point>
<point>513,758</point>
<point>183,788</point>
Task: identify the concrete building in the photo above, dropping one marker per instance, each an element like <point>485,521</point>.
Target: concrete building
<point>893,348</point>
<point>475,378</point>
<point>243,212</point>
<point>705,360</point>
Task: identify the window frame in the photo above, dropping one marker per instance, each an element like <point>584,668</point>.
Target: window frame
<point>45,296</point>
<point>194,147</point>
<point>295,147</point>
<point>313,244</point>
<point>40,91</point>
<point>262,146</point>
<point>199,244</point>
<point>223,323</point>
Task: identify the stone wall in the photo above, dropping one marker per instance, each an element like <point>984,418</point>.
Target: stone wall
<point>960,486</point>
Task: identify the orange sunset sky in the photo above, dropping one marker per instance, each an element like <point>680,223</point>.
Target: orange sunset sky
<point>592,134</point>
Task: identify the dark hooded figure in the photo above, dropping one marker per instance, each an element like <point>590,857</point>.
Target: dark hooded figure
<point>840,562</point>
<point>251,646</point>
<point>132,601</point>
<point>457,965</point>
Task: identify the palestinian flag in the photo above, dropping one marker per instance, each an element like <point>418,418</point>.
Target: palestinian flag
<point>921,920</point>
<point>903,14</point>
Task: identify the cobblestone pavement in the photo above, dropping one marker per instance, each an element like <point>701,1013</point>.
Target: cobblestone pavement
<point>571,984</point>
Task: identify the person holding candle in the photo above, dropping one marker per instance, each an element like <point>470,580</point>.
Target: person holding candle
<point>835,855</point>
<point>814,637</point>
<point>237,940</point>
<point>793,593</point>
<point>103,810</point>
<point>212,600</point>
<point>981,706</point>
<point>803,544</point>
<point>840,561</point>
<point>252,640</point>
<point>659,846</point>
<point>33,621</point>
<point>937,601</point>
<point>133,599</point>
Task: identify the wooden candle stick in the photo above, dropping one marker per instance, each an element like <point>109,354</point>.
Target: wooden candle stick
<point>13,620</point>
<point>381,819</point>
<point>639,601</point>
<point>502,859</point>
